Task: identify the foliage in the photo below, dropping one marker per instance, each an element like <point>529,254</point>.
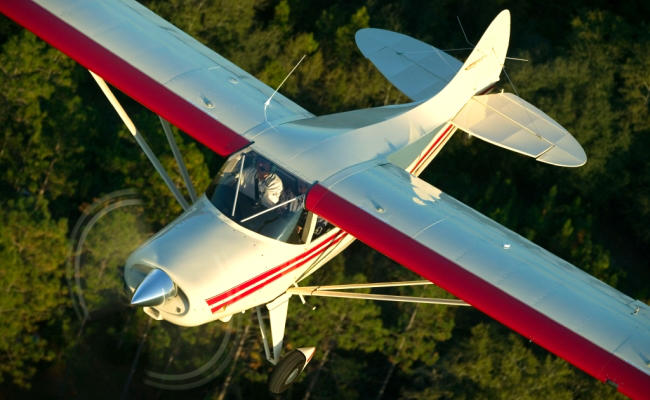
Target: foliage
<point>492,363</point>
<point>32,248</point>
<point>61,147</point>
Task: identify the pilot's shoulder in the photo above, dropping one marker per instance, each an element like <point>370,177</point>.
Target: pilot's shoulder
<point>273,180</point>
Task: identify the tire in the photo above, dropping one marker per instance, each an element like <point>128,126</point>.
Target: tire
<point>286,372</point>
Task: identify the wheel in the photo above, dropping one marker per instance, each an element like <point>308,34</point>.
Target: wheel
<point>286,372</point>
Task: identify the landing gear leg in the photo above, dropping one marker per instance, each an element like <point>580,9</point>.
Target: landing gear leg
<point>287,369</point>
<point>278,317</point>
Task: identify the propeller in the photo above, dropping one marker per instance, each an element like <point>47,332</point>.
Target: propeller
<point>156,287</point>
<point>168,357</point>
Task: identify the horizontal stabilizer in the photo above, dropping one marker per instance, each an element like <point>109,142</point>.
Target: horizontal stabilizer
<point>508,121</point>
<point>417,69</point>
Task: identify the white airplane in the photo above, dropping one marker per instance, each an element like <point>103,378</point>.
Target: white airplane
<point>297,189</point>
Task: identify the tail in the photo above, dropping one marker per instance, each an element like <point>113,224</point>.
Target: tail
<point>421,71</point>
<point>483,66</point>
<point>504,119</point>
<point>477,75</point>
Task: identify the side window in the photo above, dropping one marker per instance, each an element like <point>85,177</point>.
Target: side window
<point>322,227</point>
<point>311,222</point>
<point>294,192</point>
<point>260,196</point>
<point>297,236</point>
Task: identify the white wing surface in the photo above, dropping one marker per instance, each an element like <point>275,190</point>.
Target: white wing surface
<point>508,121</point>
<point>417,69</point>
<point>158,65</point>
<point>541,296</point>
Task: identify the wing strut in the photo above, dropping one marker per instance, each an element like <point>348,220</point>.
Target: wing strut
<point>329,291</point>
<point>179,158</point>
<point>139,139</point>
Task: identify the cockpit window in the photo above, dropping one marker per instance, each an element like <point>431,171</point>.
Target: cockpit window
<point>260,196</point>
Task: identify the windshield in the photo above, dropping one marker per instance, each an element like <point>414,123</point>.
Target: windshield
<point>260,196</point>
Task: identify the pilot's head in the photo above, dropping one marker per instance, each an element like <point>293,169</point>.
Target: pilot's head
<point>263,168</point>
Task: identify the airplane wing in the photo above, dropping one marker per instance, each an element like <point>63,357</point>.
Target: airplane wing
<point>160,66</point>
<point>516,282</point>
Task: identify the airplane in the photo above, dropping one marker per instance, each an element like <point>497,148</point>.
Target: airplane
<point>297,189</point>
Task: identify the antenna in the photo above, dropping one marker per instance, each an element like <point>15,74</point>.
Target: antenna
<point>268,101</point>
<point>514,88</point>
<point>468,42</point>
<point>511,83</point>
<point>507,58</point>
<point>458,49</point>
<point>463,30</point>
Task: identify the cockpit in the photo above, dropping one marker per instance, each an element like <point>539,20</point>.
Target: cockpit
<point>260,196</point>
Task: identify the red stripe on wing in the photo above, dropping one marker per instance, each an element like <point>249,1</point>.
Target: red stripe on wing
<point>133,82</point>
<point>484,296</point>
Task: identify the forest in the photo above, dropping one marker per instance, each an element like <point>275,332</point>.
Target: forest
<point>77,196</point>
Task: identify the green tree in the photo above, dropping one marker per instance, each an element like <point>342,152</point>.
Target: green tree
<point>33,248</point>
<point>38,108</point>
<point>494,364</point>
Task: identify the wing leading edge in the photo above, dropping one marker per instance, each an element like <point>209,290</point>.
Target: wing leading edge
<point>158,65</point>
<point>516,282</point>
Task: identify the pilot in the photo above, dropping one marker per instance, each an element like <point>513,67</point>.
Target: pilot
<point>261,184</point>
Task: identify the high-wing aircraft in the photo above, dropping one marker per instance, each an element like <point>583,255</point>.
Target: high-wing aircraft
<point>297,188</point>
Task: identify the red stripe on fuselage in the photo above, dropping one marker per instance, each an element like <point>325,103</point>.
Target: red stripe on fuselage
<point>152,94</point>
<point>271,275</point>
<point>275,277</point>
<point>433,146</point>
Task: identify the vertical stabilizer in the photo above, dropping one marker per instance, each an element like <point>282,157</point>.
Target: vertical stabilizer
<point>483,66</point>
<point>480,71</point>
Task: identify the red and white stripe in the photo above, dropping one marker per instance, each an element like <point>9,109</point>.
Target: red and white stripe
<point>437,144</point>
<point>257,283</point>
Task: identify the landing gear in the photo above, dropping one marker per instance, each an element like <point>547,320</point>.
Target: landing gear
<point>286,371</point>
<point>289,368</point>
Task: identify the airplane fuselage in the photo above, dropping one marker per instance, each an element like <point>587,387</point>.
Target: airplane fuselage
<point>221,268</point>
